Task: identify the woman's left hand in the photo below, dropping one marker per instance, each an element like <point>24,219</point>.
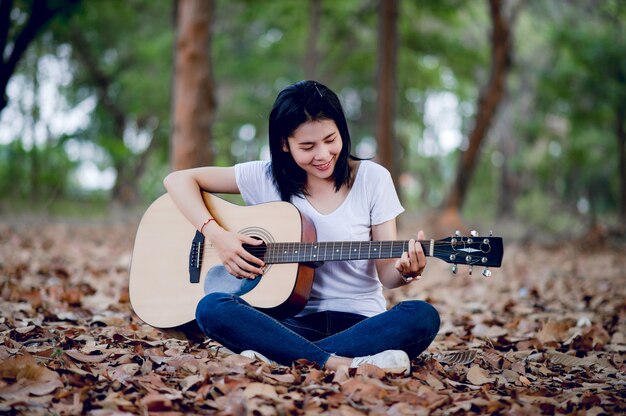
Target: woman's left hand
<point>412,263</point>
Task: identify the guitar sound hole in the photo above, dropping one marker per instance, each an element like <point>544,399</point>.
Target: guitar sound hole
<point>257,251</point>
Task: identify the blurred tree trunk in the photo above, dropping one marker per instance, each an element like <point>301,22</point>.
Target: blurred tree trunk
<point>194,100</point>
<point>514,111</point>
<point>387,63</point>
<point>487,105</point>
<point>312,56</point>
<point>620,121</point>
<point>508,148</point>
<point>11,50</point>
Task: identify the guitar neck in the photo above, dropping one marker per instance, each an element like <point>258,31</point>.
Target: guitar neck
<point>339,250</point>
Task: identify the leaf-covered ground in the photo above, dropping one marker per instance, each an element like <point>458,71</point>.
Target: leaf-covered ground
<point>546,334</point>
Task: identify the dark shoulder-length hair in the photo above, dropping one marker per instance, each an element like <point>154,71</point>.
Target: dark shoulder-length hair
<point>296,104</point>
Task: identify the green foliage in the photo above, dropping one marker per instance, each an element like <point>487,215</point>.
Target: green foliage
<point>580,88</point>
<point>555,134</point>
<point>33,174</point>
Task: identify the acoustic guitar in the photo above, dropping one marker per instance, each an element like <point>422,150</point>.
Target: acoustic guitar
<point>173,266</point>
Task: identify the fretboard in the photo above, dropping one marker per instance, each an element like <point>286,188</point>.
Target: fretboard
<point>338,250</point>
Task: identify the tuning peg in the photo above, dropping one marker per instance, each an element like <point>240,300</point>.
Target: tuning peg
<point>486,272</point>
<point>474,233</point>
<point>471,269</point>
<point>490,233</point>
<point>457,233</point>
<point>454,268</point>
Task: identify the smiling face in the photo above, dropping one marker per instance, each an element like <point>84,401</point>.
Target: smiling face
<point>302,146</point>
<point>315,147</point>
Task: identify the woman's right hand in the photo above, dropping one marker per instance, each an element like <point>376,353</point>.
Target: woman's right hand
<point>233,256</point>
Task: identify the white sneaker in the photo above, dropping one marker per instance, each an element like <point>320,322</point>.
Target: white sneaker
<point>395,361</point>
<point>256,356</point>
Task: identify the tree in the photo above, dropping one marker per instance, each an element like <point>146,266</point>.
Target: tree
<point>312,55</point>
<point>194,98</point>
<point>488,101</point>
<point>387,62</point>
<point>40,13</point>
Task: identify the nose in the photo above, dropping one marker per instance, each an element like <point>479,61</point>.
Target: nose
<point>322,153</point>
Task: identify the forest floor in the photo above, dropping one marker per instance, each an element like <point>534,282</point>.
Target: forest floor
<point>545,334</point>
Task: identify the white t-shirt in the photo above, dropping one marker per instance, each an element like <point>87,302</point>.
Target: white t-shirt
<point>347,286</point>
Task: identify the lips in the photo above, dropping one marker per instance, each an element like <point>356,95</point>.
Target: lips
<point>323,167</point>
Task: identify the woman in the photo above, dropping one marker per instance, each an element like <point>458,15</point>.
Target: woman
<point>345,321</point>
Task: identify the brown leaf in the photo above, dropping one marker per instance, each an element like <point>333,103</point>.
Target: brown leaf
<point>553,332</point>
<point>457,357</point>
<point>282,378</point>
<point>493,358</point>
<point>156,402</point>
<point>27,377</point>
<point>567,360</point>
<point>314,376</point>
<point>477,376</point>
<point>362,388</point>
<point>434,382</point>
<point>485,331</point>
<point>342,374</point>
<point>369,370</point>
<point>85,358</point>
<point>260,389</point>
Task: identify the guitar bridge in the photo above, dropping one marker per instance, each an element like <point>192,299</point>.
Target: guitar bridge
<point>195,257</point>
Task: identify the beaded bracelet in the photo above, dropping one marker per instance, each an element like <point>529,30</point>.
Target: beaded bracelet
<point>208,220</point>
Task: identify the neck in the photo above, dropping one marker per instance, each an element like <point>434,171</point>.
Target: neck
<point>339,250</point>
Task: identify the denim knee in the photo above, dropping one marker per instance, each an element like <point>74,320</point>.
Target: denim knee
<point>426,319</point>
<point>209,311</point>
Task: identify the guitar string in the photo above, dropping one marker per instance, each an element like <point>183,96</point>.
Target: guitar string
<point>257,252</point>
<point>442,255</point>
<point>348,247</point>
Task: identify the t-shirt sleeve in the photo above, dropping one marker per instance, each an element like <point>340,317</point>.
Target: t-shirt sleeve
<point>254,182</point>
<point>384,202</point>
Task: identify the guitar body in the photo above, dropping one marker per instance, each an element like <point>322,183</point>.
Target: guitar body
<point>161,291</point>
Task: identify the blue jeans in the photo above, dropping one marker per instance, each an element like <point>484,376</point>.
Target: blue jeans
<point>410,326</point>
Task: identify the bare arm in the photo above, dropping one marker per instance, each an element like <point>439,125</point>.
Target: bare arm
<point>185,186</point>
<point>411,264</point>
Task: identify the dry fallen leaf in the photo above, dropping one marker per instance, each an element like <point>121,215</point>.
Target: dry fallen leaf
<point>457,357</point>
<point>543,335</point>
<point>25,376</point>
<point>260,389</point>
<point>477,376</point>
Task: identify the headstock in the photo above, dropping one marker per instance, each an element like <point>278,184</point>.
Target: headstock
<point>473,250</point>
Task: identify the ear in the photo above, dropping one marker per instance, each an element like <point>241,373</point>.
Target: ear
<point>285,146</point>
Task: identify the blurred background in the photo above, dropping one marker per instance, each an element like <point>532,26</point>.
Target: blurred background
<point>489,112</point>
